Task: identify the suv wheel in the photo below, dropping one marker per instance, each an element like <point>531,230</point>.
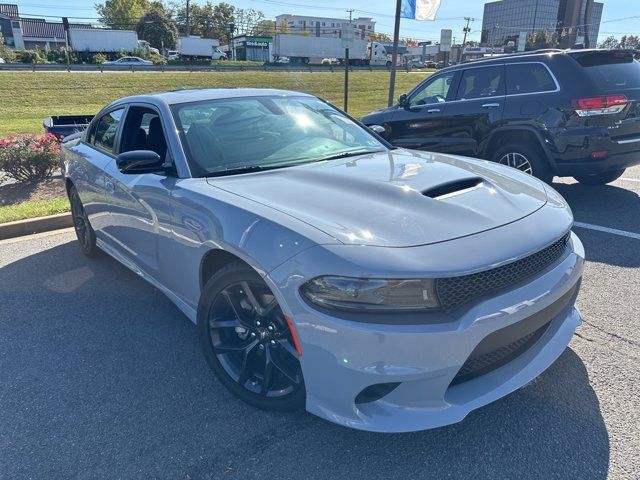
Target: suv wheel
<point>526,158</point>
<point>600,178</point>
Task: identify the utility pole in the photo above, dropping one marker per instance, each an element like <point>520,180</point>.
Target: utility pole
<point>350,10</point>
<point>187,18</point>
<point>466,30</point>
<point>394,54</point>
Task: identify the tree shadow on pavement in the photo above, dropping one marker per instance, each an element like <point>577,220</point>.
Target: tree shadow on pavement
<point>102,377</point>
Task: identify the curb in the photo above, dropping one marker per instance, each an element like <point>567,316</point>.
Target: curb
<point>20,228</point>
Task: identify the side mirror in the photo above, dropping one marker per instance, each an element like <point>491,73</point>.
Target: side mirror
<point>379,129</point>
<point>403,100</point>
<point>140,161</point>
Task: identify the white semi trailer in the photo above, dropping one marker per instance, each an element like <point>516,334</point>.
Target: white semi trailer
<point>102,40</point>
<point>313,50</point>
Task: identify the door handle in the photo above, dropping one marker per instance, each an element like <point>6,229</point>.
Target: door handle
<point>433,110</point>
<point>490,105</point>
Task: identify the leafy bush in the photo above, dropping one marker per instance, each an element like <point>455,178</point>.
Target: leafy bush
<point>100,58</point>
<point>30,56</point>
<point>29,157</point>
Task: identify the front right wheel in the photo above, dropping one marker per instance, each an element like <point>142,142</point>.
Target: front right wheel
<point>84,231</point>
<point>247,341</point>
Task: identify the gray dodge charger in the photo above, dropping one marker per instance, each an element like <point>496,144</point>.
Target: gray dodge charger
<point>383,289</point>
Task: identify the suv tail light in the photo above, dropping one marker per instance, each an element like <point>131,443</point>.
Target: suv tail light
<point>609,104</point>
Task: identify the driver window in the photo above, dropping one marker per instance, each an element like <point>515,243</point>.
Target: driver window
<point>435,91</point>
<point>143,131</point>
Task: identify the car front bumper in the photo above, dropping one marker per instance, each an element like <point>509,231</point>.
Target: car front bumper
<point>342,357</point>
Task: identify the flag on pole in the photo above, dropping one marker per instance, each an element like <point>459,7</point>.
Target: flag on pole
<point>420,9</point>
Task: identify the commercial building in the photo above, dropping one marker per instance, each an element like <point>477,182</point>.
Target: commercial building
<point>322,26</point>
<point>32,33</point>
<point>574,21</point>
<point>258,49</point>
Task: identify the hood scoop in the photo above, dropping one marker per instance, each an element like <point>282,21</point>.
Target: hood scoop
<point>452,188</point>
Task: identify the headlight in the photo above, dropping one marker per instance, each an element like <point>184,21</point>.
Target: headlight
<point>346,293</point>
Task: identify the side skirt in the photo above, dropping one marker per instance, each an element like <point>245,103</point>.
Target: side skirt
<point>183,306</point>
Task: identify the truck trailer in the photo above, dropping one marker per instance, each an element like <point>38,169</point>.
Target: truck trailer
<point>102,40</point>
<point>197,47</point>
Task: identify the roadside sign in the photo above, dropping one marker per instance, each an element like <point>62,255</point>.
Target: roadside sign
<point>522,41</point>
<point>445,40</point>
<point>348,33</point>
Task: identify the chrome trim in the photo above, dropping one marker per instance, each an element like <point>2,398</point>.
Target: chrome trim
<point>490,105</point>
<point>433,110</point>
<point>629,140</point>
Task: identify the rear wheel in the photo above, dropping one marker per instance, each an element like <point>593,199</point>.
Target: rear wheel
<point>247,342</point>
<point>84,231</point>
<point>600,178</point>
<point>526,158</point>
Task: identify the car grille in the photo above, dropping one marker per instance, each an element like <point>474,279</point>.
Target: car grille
<point>455,291</point>
<point>480,365</point>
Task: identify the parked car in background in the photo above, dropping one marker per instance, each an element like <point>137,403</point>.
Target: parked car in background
<point>384,289</point>
<point>173,55</point>
<point>416,64</point>
<point>128,61</point>
<point>64,125</point>
<point>2,60</point>
<point>282,61</point>
<point>551,112</point>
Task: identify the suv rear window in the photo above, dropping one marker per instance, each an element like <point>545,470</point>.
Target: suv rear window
<point>611,70</point>
<point>528,78</point>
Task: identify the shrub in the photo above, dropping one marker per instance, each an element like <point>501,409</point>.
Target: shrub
<point>29,157</point>
<point>100,58</point>
<point>30,56</point>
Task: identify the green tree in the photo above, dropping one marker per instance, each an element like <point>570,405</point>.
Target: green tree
<point>157,28</point>
<point>122,14</point>
<point>629,42</point>
<point>609,43</point>
<point>5,52</point>
<point>208,20</point>
<point>264,28</point>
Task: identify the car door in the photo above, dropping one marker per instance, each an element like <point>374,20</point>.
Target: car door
<point>477,108</point>
<point>96,151</point>
<point>139,204</point>
<point>420,122</point>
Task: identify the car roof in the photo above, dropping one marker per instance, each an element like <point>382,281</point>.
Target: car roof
<point>200,94</point>
<point>509,57</point>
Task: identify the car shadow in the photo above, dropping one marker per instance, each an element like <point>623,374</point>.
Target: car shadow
<point>607,206</point>
<point>101,376</point>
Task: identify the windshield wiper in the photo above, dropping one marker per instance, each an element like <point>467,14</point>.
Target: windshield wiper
<point>244,169</point>
<point>349,154</point>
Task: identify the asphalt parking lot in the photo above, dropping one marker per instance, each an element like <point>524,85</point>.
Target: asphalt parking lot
<point>102,377</point>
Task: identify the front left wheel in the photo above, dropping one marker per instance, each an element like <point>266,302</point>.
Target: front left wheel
<point>84,231</point>
<point>247,341</point>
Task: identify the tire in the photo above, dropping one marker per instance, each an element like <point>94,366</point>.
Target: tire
<point>600,178</point>
<point>527,158</point>
<point>245,340</point>
<point>84,231</point>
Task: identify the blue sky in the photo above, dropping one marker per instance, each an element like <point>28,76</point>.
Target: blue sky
<point>617,18</point>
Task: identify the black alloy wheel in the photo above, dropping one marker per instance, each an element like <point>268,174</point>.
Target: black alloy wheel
<point>247,341</point>
<point>82,225</point>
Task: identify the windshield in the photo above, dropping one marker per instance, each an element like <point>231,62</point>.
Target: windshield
<point>266,132</point>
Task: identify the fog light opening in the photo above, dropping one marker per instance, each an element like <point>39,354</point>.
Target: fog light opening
<point>375,392</point>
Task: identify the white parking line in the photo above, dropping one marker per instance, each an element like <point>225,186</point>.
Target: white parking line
<point>630,179</point>
<point>613,231</point>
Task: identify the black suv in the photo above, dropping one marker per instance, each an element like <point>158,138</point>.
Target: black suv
<point>549,112</point>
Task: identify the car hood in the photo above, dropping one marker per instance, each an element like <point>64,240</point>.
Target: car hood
<point>397,198</point>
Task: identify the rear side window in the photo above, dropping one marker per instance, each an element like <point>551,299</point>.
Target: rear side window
<point>481,82</point>
<point>106,130</point>
<point>528,78</point>
<point>611,70</point>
